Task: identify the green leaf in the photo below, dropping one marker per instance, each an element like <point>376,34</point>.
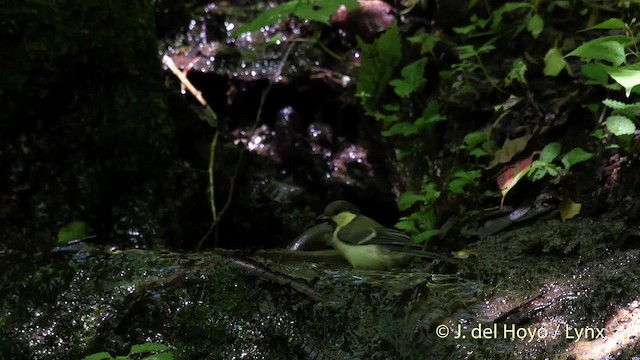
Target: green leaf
<point>401,128</point>
<point>614,104</point>
<point>486,48</point>
<point>74,230</point>
<point>620,125</point>
<point>412,78</point>
<point>430,193</point>
<point>466,52</point>
<point>475,138</point>
<point>379,60</point>
<point>387,119</point>
<point>598,134</point>
<point>537,174</point>
<point>161,356</point>
<point>468,175</point>
<point>407,225</point>
<point>628,77</point>
<point>147,347</point>
<point>430,115</point>
<point>322,10</point>
<point>456,186</point>
<point>319,10</point>
<point>407,199</point>
<point>507,7</point>
<point>535,25</point>
<point>518,70</point>
<point>613,23</point>
<point>464,30</point>
<point>553,62</point>
<point>598,73</point>
<point>425,235</point>
<point>607,48</point>
<point>427,42</point>
<point>98,356</point>
<point>478,152</point>
<point>463,178</point>
<point>427,218</point>
<point>576,155</point>
<point>549,152</point>
<point>267,18</point>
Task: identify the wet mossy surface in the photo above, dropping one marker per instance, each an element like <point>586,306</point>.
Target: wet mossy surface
<point>89,132</point>
<point>207,308</point>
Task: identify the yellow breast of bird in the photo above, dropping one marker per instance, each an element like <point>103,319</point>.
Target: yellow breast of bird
<point>372,257</point>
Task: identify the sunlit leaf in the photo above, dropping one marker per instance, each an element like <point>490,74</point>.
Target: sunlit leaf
<point>610,24</point>
<point>535,25</point>
<point>74,230</point>
<point>628,77</point>
<point>553,62</point>
<point>549,152</point>
<point>620,125</point>
<point>569,209</point>
<point>607,48</point>
<point>575,156</point>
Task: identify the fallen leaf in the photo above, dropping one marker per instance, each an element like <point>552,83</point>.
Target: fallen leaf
<point>464,254</point>
<point>511,174</point>
<point>509,149</point>
<point>569,209</point>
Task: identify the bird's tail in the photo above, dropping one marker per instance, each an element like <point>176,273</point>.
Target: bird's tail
<point>429,255</point>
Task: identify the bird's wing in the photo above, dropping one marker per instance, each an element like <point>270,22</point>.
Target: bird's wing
<point>402,243</point>
<point>394,240</point>
<point>356,235</point>
<point>390,237</point>
<point>377,236</point>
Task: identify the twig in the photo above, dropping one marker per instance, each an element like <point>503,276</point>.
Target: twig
<point>236,171</point>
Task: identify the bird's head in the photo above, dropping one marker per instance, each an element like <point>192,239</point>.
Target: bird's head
<point>341,212</point>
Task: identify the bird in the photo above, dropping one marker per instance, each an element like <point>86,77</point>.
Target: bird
<point>366,244</point>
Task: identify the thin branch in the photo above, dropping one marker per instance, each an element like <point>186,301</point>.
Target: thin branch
<point>236,171</point>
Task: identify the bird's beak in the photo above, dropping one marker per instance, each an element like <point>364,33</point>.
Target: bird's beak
<point>322,219</point>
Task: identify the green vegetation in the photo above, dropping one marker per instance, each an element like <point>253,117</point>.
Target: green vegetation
<point>396,89</point>
<point>615,57</point>
<point>160,351</point>
<point>313,10</point>
<point>74,230</point>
